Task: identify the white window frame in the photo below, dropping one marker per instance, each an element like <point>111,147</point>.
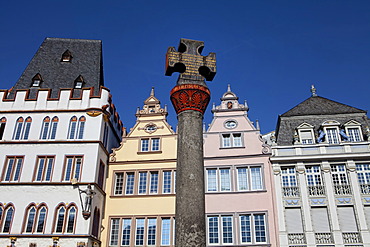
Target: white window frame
<point>219,179</point>
<point>151,146</point>
<point>235,140</point>
<point>328,127</point>
<point>351,135</point>
<point>250,180</point>
<point>305,127</point>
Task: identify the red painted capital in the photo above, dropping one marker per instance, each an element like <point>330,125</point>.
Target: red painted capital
<point>190,97</point>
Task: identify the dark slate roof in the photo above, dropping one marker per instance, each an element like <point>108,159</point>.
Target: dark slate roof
<point>317,105</point>
<point>86,61</point>
<point>314,111</point>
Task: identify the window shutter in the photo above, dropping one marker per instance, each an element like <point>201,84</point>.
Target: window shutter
<point>347,219</point>
<point>320,220</point>
<point>293,219</point>
<point>306,134</point>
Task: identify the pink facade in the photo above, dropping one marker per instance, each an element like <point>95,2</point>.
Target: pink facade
<point>240,201</point>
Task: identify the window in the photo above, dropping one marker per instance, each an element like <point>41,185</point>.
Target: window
<point>289,182</point>
<point>12,169</point>
<point>101,174</point>
<point>150,145</point>
<point>306,136</point>
<point>363,176</point>
<point>293,220</point>
<point>96,223</point>
<point>354,134</point>
<point>148,183</point>
<point>249,178</point>
<point>231,140</point>
<point>142,231</point>
<point>251,227</point>
<point>36,80</point>
<point>65,219</point>
<point>76,128</point>
<point>314,182</point>
<point>332,135</point>
<point>44,168</point>
<point>79,82</point>
<point>35,219</point>
<point>2,127</point>
<point>8,219</point>
<point>66,56</point>
<point>72,169</point>
<point>340,180</point>
<point>49,128</point>
<point>218,179</point>
<point>22,129</point>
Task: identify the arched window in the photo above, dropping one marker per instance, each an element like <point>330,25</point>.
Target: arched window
<point>27,128</point>
<point>8,218</point>
<point>81,127</point>
<point>45,128</point>
<point>72,128</point>
<point>71,219</point>
<point>96,222</point>
<point>2,127</point>
<point>18,129</point>
<point>41,219</point>
<point>54,126</point>
<point>31,219</point>
<point>60,219</point>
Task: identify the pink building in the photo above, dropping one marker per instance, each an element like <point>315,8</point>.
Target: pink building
<point>239,185</point>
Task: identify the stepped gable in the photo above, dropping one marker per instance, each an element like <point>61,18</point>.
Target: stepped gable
<point>317,105</point>
<point>61,63</point>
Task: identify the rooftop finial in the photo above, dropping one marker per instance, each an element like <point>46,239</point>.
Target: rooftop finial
<point>228,88</point>
<point>152,92</point>
<point>313,91</point>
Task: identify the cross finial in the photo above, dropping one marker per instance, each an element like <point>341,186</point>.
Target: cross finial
<point>188,61</point>
<point>313,91</point>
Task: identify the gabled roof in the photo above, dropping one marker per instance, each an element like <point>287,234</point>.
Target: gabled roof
<point>317,105</point>
<point>85,60</point>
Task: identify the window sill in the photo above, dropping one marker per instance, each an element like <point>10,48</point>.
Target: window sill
<point>235,192</point>
<point>232,147</point>
<point>150,152</point>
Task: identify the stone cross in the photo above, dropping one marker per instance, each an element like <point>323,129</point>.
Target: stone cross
<point>190,98</point>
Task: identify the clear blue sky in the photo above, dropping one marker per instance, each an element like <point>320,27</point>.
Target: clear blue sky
<point>269,51</point>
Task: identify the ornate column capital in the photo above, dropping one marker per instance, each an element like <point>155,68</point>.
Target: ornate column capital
<point>190,97</point>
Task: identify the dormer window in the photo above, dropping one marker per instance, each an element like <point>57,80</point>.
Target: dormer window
<point>66,56</point>
<point>306,134</point>
<point>353,130</point>
<point>79,82</point>
<point>36,80</point>
<point>330,132</point>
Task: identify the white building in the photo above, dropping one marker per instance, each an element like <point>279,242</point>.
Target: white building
<point>321,165</point>
<point>58,125</point>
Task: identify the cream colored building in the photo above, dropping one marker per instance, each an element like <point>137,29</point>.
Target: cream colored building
<point>140,187</point>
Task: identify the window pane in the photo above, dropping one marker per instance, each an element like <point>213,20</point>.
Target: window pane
<point>68,171</point>
<point>332,135</point>
<point>142,182</point>
<point>130,183</point>
<point>211,180</point>
<point>31,219</point>
<point>81,130</point>
<point>155,144</point>
<point>78,168</point>
<point>119,184</point>
<point>145,145</point>
<point>245,228</point>
<point>49,169</point>
<point>213,230</point>
<point>40,169</point>
<point>27,130</point>
<point>54,127</point>
<point>45,130</point>
<point>114,232</point>
<point>237,140</point>
<point>165,234</point>
<point>60,221</point>
<point>242,178</point>
<point>41,220</point>
<point>71,219</point>
<point>227,229</point>
<point>152,228</point>
<point>9,169</point>
<point>18,169</point>
<point>18,130</point>
<point>256,178</point>
<point>225,179</point>
<point>8,220</point>
<point>139,238</point>
<point>72,129</point>
<point>259,228</point>
<point>167,182</point>
<point>126,232</point>
<point>153,182</point>
<point>226,140</point>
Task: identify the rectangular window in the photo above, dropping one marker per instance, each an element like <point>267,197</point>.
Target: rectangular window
<point>293,220</point>
<point>155,144</point>
<point>212,180</point>
<point>340,180</point>
<point>354,134</point>
<point>332,135</point>
<point>150,145</point>
<point>130,181</point>
<point>12,169</point>
<point>153,182</point>
<point>260,228</point>
<point>114,226</point>
<point>245,228</point>
<point>167,177</point>
<point>227,229</point>
<point>249,178</point>
<point>363,176</point>
<point>44,168</point>
<point>314,181</point>
<point>213,233</point>
<point>126,232</point>
<point>218,179</point>
<point>144,145</point>
<point>152,230</point>
<point>72,169</point>
<point>243,183</point>
<point>166,231</point>
<point>142,182</point>
<point>306,136</point>
<point>140,229</point>
<point>118,187</point>
<point>289,182</point>
<point>231,140</point>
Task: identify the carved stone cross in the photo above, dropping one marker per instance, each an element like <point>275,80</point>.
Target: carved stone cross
<point>188,61</point>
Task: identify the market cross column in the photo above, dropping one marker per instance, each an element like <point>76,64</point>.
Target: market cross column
<point>190,98</point>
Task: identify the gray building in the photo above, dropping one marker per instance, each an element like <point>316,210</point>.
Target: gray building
<point>321,166</point>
